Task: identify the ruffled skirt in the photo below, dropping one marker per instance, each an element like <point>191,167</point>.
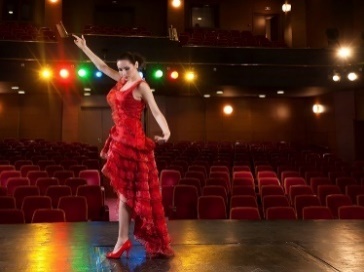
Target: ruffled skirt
<point>134,176</point>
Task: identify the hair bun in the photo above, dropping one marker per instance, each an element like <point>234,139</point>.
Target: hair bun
<point>140,59</point>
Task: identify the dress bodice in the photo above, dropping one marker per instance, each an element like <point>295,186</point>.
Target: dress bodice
<point>126,113</point>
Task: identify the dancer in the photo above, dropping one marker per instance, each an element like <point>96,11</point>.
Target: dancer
<point>130,163</point>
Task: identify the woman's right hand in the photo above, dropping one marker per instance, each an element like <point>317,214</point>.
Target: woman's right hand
<point>80,42</point>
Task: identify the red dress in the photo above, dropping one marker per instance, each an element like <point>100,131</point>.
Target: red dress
<point>132,170</point>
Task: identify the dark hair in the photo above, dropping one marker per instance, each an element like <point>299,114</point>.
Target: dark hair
<point>133,58</point>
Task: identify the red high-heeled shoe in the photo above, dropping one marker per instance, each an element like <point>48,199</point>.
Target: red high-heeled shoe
<point>125,247</point>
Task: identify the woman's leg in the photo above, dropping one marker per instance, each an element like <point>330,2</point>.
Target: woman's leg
<point>124,221</point>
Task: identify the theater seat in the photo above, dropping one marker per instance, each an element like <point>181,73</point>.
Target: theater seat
<point>302,201</point>
<point>324,190</point>
<point>7,202</point>
<point>351,212</point>
<point>169,177</point>
<point>244,213</point>
<point>97,210</point>
<point>335,201</point>
<point>55,192</point>
<point>316,213</point>
<point>48,216</point>
<point>23,191</point>
<point>280,213</point>
<point>185,202</point>
<point>211,207</point>
<point>13,183</point>
<point>44,183</point>
<point>92,176</point>
<point>243,201</point>
<point>11,216</point>
<point>32,203</point>
<point>274,201</point>
<point>75,208</point>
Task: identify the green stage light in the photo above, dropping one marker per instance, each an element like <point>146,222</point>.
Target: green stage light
<point>82,72</point>
<point>158,73</point>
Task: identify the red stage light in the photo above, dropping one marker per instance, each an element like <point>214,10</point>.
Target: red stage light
<point>174,75</point>
<point>64,73</point>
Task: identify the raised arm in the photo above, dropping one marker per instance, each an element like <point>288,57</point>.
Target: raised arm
<point>147,95</point>
<point>99,63</point>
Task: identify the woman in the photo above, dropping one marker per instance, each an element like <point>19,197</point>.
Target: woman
<point>130,163</point>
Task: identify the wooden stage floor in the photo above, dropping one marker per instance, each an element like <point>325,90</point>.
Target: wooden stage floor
<point>221,245</point>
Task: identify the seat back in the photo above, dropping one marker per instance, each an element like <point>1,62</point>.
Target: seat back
<point>11,216</point>
<point>351,212</point>
<point>22,191</point>
<point>316,213</point>
<point>280,213</point>
<point>32,203</point>
<point>302,201</point>
<point>170,177</point>
<point>211,207</point>
<point>74,207</point>
<point>48,216</point>
<point>55,192</point>
<point>185,202</point>
<point>244,213</point>
<point>94,199</point>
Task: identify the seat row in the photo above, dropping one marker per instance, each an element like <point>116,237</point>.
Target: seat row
<point>28,198</point>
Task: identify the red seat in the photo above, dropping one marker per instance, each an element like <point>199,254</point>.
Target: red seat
<point>243,182</point>
<point>97,210</point>
<point>290,181</point>
<point>55,192</point>
<point>297,190</point>
<point>313,174</point>
<point>197,168</point>
<point>222,175</point>
<point>198,175</point>
<point>3,191</point>
<point>353,191</point>
<point>167,200</point>
<point>32,203</point>
<point>193,182</point>
<point>360,200</point>
<point>211,207</point>
<point>267,181</point>
<point>317,181</point>
<point>74,207</point>
<point>316,212</point>
<point>77,168</point>
<point>351,212</point>
<point>25,169</point>
<point>22,191</point>
<point>19,163</point>
<point>11,216</point>
<point>92,176</point>
<point>342,182</point>
<point>219,168</point>
<point>302,201</point>
<point>289,174</point>
<point>6,168</point>
<point>274,201</point>
<point>7,202</point>
<point>67,163</point>
<point>48,216</point>
<point>335,201</point>
<point>244,213</point>
<point>271,190</point>
<point>238,168</point>
<point>33,176</point>
<point>170,177</point>
<point>324,190</point>
<point>264,168</point>
<point>333,175</point>
<point>44,163</point>
<point>218,182</point>
<point>243,190</point>
<point>242,174</point>
<point>6,174</point>
<point>266,174</point>
<point>74,183</point>
<point>243,201</point>
<point>44,183</point>
<point>51,169</point>
<point>13,183</point>
<point>62,175</point>
<point>215,190</point>
<point>92,164</point>
<point>280,213</point>
<point>185,202</point>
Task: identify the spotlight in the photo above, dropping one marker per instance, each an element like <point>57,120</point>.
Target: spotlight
<point>174,75</point>
<point>87,89</point>
<point>352,76</point>
<point>190,76</point>
<point>11,12</point>
<point>46,73</point>
<point>176,3</point>
<point>158,73</point>
<point>318,108</point>
<point>82,72</point>
<point>286,7</point>
<point>262,96</point>
<point>280,92</point>
<point>219,92</point>
<point>336,77</point>
<point>206,95</point>
<point>64,73</point>
<point>228,109</point>
<point>21,92</point>
<point>98,74</point>
<point>86,94</point>
<point>344,52</point>
<point>15,87</point>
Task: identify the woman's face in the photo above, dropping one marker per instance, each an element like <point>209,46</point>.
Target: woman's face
<point>127,69</point>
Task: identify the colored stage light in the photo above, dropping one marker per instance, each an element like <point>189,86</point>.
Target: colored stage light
<point>82,72</point>
<point>174,75</point>
<point>46,73</point>
<point>158,73</point>
<point>190,76</point>
<point>64,73</point>
<point>98,74</point>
